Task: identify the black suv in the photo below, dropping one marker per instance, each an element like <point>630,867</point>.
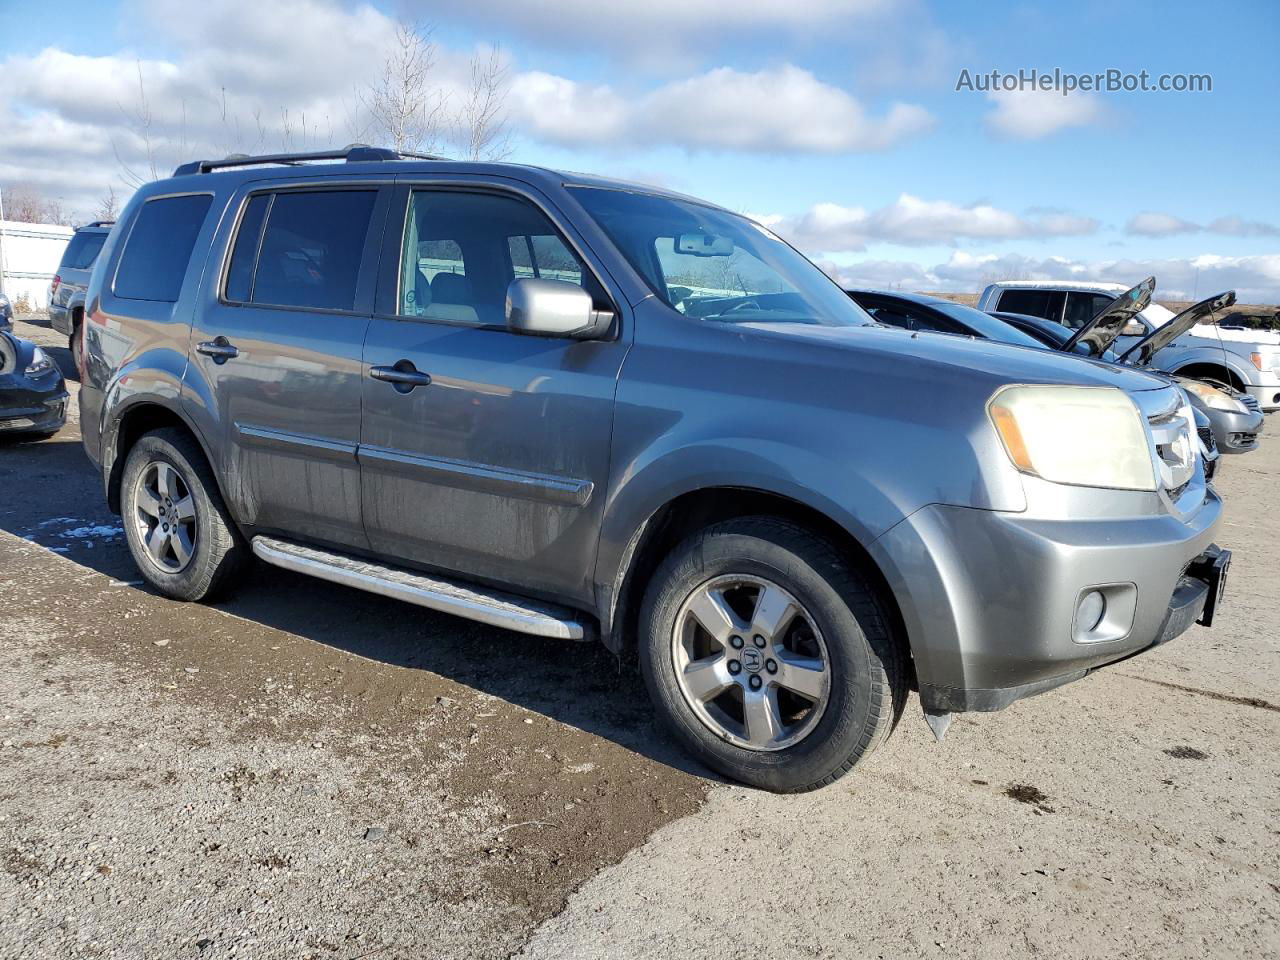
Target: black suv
<point>66,290</point>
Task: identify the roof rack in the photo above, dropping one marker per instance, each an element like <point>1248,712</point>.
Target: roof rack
<point>97,223</point>
<point>354,153</point>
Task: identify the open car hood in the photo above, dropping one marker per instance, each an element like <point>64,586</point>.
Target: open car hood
<point>1102,330</point>
<point>1140,353</point>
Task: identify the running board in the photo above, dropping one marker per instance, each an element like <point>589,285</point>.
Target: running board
<point>474,603</point>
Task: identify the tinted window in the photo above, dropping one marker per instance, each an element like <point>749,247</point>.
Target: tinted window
<point>156,255</point>
<point>1034,303</point>
<point>462,250</point>
<point>896,313</point>
<point>245,254</point>
<point>83,250</point>
<point>311,249</point>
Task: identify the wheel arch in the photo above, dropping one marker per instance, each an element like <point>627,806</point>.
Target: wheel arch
<point>696,509</point>
<point>1217,369</point>
<point>138,419</point>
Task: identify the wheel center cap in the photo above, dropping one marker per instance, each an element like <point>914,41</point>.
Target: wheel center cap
<point>752,659</point>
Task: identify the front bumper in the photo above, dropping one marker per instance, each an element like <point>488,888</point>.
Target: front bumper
<point>1267,395</point>
<point>989,599</point>
<point>1236,432</point>
<point>27,407</point>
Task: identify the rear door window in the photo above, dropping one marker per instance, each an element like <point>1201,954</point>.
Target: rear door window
<point>300,249</point>
<point>159,247</point>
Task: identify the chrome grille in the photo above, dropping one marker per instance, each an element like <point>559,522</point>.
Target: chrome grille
<point>1175,452</point>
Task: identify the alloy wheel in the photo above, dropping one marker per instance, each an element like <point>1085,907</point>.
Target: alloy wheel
<point>165,516</point>
<point>751,662</point>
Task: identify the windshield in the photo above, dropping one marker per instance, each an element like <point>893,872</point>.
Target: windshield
<point>715,265</point>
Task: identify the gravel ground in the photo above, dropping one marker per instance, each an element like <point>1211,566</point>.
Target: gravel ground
<point>307,771</point>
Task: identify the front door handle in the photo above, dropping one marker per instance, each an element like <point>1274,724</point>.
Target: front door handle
<point>218,348</point>
<point>404,376</point>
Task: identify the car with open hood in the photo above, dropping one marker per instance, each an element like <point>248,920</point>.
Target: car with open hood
<point>1246,360</point>
<point>1234,416</point>
<point>1234,419</point>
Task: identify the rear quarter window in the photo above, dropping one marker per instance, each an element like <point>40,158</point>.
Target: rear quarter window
<point>159,248</point>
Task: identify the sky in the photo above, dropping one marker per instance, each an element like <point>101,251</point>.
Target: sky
<point>837,123</point>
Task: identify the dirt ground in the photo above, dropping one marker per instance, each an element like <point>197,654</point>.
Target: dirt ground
<point>309,771</point>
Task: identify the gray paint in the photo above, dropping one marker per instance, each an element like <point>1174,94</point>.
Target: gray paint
<point>535,463</point>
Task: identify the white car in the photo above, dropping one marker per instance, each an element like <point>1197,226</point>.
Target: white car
<point>1248,360</point>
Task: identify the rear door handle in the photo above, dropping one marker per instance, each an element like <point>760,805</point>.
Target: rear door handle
<point>218,348</point>
<point>403,375</point>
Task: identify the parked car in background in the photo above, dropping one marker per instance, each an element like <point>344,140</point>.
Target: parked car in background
<point>573,406</point>
<point>1234,425</point>
<point>1233,415</point>
<point>1245,360</point>
<point>33,395</point>
<point>67,289</point>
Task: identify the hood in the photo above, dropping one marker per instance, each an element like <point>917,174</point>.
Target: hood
<point>1158,316</point>
<point>927,360</point>
<point>1102,330</point>
<point>1140,353</point>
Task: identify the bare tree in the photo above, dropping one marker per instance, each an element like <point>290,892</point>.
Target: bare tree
<point>27,203</point>
<point>405,107</point>
<point>481,120</point>
<point>142,122</point>
<point>108,206</point>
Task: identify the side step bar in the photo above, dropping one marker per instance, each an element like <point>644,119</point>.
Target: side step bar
<point>474,603</point>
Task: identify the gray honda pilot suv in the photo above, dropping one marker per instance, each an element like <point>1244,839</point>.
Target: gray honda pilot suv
<point>581,408</point>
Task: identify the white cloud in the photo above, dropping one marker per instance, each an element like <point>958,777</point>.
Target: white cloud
<point>1255,278</point>
<point>912,221</point>
<point>660,31</point>
<point>1151,224</point>
<point>779,110</point>
<point>1032,114</point>
<point>1237,227</point>
<point>74,124</point>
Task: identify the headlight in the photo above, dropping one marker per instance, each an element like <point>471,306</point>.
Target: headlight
<point>1086,436</point>
<point>40,363</point>
<point>1213,397</point>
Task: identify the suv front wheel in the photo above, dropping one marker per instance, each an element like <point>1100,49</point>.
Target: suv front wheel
<point>178,529</point>
<point>769,656</point>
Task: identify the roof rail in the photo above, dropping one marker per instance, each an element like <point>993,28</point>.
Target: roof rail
<point>96,223</point>
<point>354,153</point>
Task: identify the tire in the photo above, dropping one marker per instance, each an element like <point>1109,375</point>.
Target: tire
<point>203,530</point>
<point>75,345</point>
<point>840,622</point>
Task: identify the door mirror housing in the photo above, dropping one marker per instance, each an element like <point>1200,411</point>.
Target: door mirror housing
<point>554,308</point>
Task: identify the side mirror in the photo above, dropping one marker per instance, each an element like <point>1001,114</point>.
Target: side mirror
<point>1133,329</point>
<point>554,308</point>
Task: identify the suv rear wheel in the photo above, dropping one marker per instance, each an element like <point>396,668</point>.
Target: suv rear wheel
<point>768,656</point>
<point>177,527</point>
<point>76,345</point>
